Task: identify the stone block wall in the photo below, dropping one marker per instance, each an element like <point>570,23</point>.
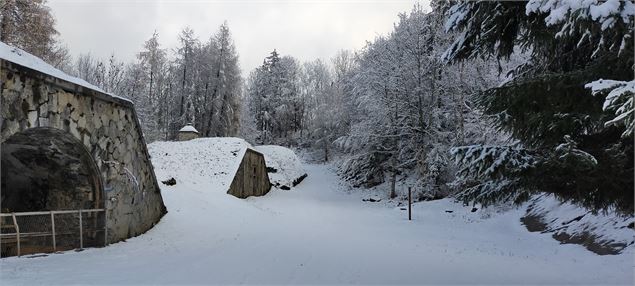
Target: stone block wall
<point>106,126</point>
<point>185,136</point>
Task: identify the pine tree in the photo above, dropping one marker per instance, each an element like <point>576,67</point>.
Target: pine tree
<point>275,99</point>
<point>545,104</point>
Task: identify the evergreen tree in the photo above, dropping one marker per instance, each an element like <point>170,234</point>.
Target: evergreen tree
<point>275,100</point>
<point>545,105</point>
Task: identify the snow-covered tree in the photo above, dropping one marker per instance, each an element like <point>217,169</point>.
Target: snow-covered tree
<point>198,84</point>
<point>544,104</point>
<point>618,100</point>
<point>185,63</point>
<point>410,108</point>
<point>29,25</point>
<point>275,100</point>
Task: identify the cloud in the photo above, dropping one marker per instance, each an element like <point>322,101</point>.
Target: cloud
<point>304,29</point>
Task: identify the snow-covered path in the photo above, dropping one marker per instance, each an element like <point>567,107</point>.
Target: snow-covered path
<point>318,234</point>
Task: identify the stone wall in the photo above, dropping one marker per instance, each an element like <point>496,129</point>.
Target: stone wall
<point>185,136</point>
<point>106,126</point>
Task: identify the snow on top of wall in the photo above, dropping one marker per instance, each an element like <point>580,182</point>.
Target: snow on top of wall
<point>188,128</point>
<point>20,57</point>
<point>287,164</point>
<point>204,161</point>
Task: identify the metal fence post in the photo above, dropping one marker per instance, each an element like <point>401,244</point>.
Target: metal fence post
<point>53,231</point>
<point>81,232</point>
<point>409,203</point>
<point>105,226</point>
<point>17,231</point>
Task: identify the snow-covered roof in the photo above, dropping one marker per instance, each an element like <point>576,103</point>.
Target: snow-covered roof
<point>203,161</point>
<point>188,128</point>
<point>20,57</point>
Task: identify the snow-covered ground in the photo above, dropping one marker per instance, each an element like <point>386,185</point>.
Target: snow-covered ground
<point>600,232</point>
<point>207,164</point>
<point>320,234</point>
<point>288,167</point>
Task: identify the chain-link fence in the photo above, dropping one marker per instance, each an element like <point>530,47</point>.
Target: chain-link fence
<point>49,231</point>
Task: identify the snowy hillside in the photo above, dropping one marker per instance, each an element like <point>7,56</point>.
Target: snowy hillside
<point>209,161</point>
<point>214,161</point>
<point>286,168</point>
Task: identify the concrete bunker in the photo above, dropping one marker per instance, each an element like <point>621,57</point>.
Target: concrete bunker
<point>251,178</point>
<point>224,164</point>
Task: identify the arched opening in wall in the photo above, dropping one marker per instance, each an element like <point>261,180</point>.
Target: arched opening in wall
<point>52,185</point>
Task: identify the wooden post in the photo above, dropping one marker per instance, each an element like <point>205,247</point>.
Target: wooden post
<point>409,203</point>
<point>17,232</point>
<point>53,231</point>
<point>81,232</point>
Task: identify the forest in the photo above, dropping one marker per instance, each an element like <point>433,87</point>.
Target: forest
<point>488,102</point>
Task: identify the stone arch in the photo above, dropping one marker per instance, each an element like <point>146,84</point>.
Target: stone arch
<point>48,169</point>
<point>106,125</point>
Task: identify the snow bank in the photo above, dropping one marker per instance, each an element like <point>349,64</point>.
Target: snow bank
<point>598,232</point>
<point>20,57</point>
<point>286,168</point>
<point>204,161</point>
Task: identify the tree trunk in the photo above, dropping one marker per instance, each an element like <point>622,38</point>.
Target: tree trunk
<point>460,109</point>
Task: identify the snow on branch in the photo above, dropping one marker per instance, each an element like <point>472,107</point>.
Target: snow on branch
<point>490,174</point>
<point>603,12</point>
<point>569,151</point>
<point>619,100</point>
<point>482,162</point>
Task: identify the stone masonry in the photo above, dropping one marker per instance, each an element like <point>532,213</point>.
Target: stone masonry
<point>107,127</point>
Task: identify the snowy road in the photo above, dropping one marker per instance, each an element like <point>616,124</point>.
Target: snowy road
<point>318,234</point>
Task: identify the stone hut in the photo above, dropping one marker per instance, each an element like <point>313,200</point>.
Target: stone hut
<point>224,164</point>
<point>75,168</point>
<point>188,132</point>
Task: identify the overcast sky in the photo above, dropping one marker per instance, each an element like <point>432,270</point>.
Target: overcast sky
<point>304,29</point>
